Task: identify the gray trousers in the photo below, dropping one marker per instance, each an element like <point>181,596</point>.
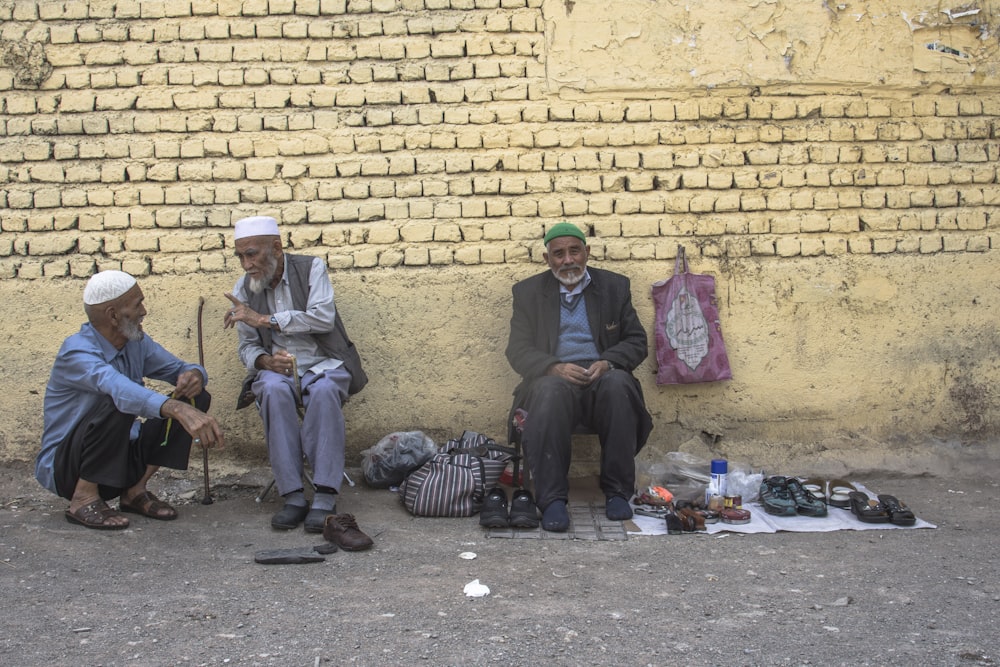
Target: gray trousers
<point>320,437</point>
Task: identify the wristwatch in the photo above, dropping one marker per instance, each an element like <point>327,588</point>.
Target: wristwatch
<point>274,322</point>
<point>611,365</point>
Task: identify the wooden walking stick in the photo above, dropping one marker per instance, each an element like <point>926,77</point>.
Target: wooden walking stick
<point>207,498</point>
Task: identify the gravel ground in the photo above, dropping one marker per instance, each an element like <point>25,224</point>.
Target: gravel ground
<point>188,592</point>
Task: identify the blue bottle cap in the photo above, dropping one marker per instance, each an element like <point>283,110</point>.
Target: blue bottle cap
<point>719,466</point>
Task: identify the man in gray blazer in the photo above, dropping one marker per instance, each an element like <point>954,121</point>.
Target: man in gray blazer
<point>575,339</point>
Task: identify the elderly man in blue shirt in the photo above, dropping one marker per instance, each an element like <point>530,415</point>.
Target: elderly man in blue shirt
<point>105,433</point>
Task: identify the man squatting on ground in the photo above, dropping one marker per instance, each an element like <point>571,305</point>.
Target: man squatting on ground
<point>94,446</point>
<point>284,311</point>
<point>575,339</point>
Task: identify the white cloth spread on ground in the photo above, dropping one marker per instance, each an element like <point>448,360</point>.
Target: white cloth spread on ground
<point>762,522</point>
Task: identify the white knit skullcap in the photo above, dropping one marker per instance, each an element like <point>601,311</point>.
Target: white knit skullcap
<point>106,286</point>
<point>258,225</point>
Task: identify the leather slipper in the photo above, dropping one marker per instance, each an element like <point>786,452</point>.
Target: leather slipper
<point>868,509</point>
<point>148,505</point>
<point>95,515</point>
<point>839,494</point>
<point>899,513</point>
<point>288,556</point>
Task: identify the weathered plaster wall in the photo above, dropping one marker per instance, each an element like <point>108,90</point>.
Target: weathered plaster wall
<point>800,47</point>
<point>422,146</point>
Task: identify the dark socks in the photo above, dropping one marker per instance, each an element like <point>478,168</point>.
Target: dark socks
<point>617,508</point>
<point>555,518</point>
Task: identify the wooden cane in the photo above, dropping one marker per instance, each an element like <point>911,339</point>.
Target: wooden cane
<point>207,498</point>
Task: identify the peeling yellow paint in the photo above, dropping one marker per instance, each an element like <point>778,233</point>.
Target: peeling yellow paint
<point>769,43</point>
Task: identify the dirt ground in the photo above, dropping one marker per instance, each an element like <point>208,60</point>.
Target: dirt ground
<point>188,592</point>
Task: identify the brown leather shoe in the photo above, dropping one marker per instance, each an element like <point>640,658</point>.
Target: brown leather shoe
<point>342,530</point>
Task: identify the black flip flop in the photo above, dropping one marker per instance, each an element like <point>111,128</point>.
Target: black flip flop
<point>866,509</point>
<point>899,513</point>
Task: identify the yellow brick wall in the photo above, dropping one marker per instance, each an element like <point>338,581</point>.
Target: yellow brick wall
<point>416,143</point>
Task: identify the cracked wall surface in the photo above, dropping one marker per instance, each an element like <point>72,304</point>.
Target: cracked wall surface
<point>651,46</point>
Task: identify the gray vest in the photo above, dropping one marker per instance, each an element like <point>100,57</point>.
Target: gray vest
<point>334,344</point>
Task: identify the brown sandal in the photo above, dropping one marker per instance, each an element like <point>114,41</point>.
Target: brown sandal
<point>149,505</point>
<point>96,515</point>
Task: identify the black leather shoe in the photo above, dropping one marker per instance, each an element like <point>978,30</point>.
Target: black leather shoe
<point>494,512</point>
<point>523,511</point>
<point>289,517</point>
<point>316,518</point>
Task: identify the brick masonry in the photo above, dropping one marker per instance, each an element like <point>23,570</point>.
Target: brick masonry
<point>393,133</point>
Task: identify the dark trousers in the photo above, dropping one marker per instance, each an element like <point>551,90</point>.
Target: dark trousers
<point>99,450</point>
<point>612,407</point>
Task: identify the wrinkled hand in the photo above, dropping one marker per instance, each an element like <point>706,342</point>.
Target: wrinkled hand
<point>203,428</point>
<point>240,312</point>
<point>189,384</point>
<point>577,375</point>
<point>280,362</point>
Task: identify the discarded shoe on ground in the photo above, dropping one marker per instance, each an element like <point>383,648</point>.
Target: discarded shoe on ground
<point>288,556</point>
<point>342,530</point>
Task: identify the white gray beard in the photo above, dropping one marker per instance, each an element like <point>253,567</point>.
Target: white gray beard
<point>567,281</point>
<point>131,330</point>
<point>256,285</point>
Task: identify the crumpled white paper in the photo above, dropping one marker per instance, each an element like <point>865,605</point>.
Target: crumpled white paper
<point>474,589</point>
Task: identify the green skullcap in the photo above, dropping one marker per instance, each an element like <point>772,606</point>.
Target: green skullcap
<point>564,229</point>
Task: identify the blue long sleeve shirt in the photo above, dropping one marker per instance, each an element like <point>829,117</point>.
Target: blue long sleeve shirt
<point>87,368</point>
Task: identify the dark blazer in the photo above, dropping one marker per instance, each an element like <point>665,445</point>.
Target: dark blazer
<point>534,333</point>
<point>534,325</point>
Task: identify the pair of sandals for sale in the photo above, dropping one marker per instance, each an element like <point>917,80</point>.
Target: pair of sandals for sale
<point>841,493</point>
<point>883,509</point>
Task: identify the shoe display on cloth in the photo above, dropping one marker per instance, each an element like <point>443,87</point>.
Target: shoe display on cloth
<point>815,486</point>
<point>494,511</point>
<point>899,513</point>
<point>839,493</point>
<point>868,510</point>
<point>806,503</point>
<point>342,530</point>
<point>775,497</point>
<point>523,511</point>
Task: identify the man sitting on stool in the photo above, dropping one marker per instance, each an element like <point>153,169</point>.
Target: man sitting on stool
<point>288,323</point>
<point>574,340</point>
